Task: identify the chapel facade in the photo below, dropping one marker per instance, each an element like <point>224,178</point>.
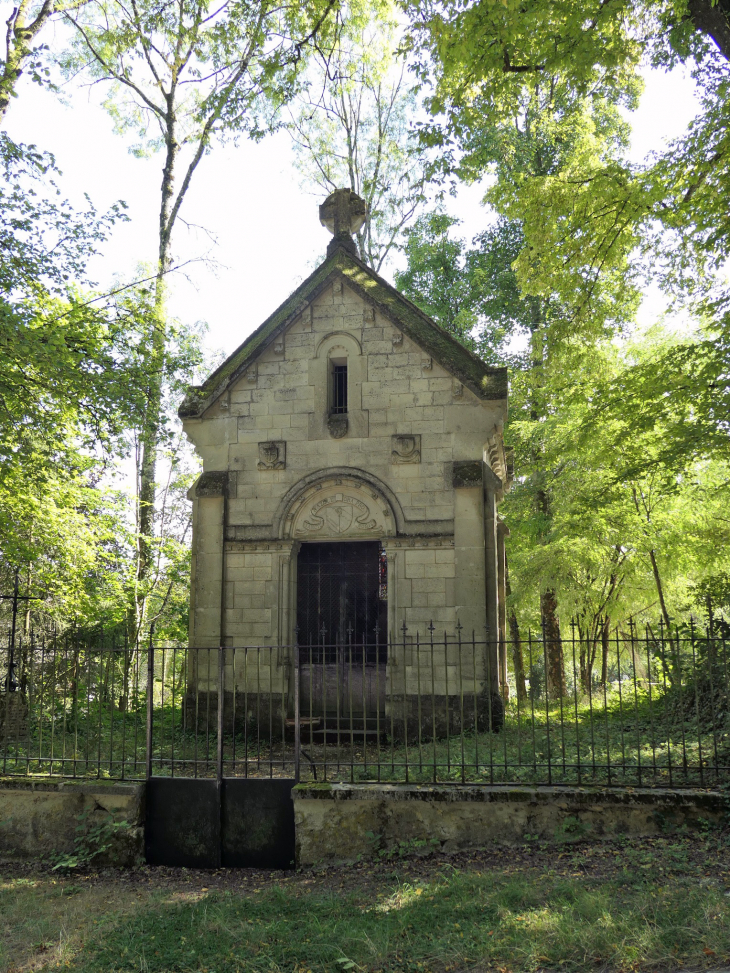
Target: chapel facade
<point>353,462</point>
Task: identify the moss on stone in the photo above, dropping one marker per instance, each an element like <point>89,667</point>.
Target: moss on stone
<point>467,473</point>
<point>483,380</point>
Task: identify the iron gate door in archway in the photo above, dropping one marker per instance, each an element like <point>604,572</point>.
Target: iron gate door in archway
<point>342,611</point>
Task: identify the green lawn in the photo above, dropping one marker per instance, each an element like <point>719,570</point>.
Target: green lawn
<point>658,904</point>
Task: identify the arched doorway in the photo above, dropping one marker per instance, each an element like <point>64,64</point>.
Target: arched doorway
<point>341,522</point>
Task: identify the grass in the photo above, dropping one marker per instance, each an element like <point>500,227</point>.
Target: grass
<point>652,904</point>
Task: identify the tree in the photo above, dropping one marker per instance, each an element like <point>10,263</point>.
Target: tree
<point>585,223</point>
<point>553,133</point>
<point>60,349</point>
<point>352,128</point>
<point>496,48</point>
<point>67,388</point>
<point>436,276</point>
<point>25,23</point>
<point>183,76</point>
<point>71,399</point>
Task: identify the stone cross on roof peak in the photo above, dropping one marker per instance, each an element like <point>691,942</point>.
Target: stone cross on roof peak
<point>343,213</point>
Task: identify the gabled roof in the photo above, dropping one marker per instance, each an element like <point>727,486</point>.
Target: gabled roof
<point>485,381</point>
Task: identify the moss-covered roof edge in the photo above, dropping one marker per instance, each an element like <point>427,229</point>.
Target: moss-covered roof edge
<point>485,381</point>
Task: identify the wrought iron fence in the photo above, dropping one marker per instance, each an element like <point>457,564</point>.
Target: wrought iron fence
<point>643,709</point>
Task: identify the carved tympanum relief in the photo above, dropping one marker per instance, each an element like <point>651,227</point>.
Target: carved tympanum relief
<point>343,508</point>
<point>272,456</point>
<point>405,449</point>
<point>338,514</point>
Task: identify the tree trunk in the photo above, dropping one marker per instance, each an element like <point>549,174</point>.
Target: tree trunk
<point>25,642</point>
<point>660,592</point>
<point>605,644</point>
<point>19,37</point>
<point>555,667</point>
<point>150,433</point>
<point>127,660</point>
<point>712,17</point>
<point>518,662</point>
<point>554,662</point>
<point>583,663</point>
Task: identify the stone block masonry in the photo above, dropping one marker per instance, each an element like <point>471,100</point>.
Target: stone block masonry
<point>39,818</point>
<point>340,823</point>
<point>348,418</point>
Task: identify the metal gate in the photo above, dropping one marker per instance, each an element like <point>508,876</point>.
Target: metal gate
<point>233,822</point>
<point>195,819</point>
<point>342,600</point>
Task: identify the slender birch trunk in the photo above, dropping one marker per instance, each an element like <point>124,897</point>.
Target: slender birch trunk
<point>518,660</point>
<point>19,37</point>
<point>150,433</point>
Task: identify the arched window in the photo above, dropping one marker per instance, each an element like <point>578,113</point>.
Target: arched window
<point>338,386</point>
<point>337,373</point>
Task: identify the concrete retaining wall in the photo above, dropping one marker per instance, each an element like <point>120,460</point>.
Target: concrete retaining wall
<point>338,823</point>
<point>40,818</point>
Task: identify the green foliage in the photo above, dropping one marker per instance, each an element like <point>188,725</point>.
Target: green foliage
<point>218,69</point>
<point>620,438</point>
<point>75,371</point>
<point>471,292</point>
<point>23,53</point>
<point>94,837</point>
<point>596,223</point>
<point>435,278</point>
<point>183,77</point>
<point>628,527</point>
<point>60,354</point>
<point>67,391</point>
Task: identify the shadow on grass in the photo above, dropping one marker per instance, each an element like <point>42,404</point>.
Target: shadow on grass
<point>449,920</point>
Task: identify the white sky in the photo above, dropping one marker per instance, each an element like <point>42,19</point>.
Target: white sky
<point>248,198</point>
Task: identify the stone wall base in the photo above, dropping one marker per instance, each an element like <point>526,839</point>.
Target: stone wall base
<point>39,819</point>
<point>339,823</point>
<point>263,715</point>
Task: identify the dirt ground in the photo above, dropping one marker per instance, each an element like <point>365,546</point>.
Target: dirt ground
<point>599,861</point>
<point>72,904</point>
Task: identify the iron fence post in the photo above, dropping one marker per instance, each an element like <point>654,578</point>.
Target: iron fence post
<point>150,692</point>
<point>221,687</point>
<point>297,728</point>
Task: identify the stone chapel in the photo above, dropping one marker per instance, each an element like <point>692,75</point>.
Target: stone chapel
<point>353,462</point>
